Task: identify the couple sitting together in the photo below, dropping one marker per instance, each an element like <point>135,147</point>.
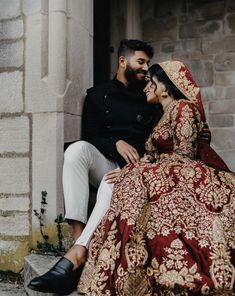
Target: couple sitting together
<point>166,225</point>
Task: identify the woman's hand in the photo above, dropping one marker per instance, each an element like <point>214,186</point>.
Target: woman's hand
<point>112,176</point>
<point>146,158</point>
<point>127,151</point>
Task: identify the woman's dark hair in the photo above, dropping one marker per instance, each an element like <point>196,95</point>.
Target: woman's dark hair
<point>129,46</point>
<point>156,71</point>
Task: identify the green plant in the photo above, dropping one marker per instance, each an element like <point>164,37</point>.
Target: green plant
<point>45,246</point>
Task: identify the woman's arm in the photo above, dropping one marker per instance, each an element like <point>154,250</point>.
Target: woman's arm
<point>186,124</point>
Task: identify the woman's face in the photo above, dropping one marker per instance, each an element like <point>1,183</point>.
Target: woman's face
<point>153,90</point>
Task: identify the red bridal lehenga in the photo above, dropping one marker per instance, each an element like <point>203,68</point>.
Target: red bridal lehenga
<point>170,227</point>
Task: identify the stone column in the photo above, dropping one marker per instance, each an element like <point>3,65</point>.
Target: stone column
<point>133,25</point>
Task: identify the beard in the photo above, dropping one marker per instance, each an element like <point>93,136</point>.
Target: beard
<point>133,82</point>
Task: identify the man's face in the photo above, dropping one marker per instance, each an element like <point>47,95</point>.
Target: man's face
<point>137,67</point>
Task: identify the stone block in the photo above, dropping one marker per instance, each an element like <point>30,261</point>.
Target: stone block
<point>230,93</point>
<point>230,23</point>
<point>14,175</point>
<point>72,127</point>
<point>79,62</point>
<point>200,28</point>
<point>81,11</point>
<point>11,54</point>
<point>15,225</point>
<point>202,72</point>
<point>228,157</point>
<point>229,43</point>
<point>208,93</point>
<point>14,134</point>
<point>19,203</point>
<point>168,47</point>
<point>11,95</point>
<point>11,289</point>
<point>223,138</point>
<point>31,7</point>
<point>222,107</point>
<point>221,120</point>
<point>212,46</point>
<point>10,9</point>
<point>231,6</point>
<point>225,78</point>
<point>166,29</point>
<point>12,255</point>
<point>11,29</point>
<point>206,10</point>
<point>47,163</point>
<point>225,62</point>
<point>166,8</point>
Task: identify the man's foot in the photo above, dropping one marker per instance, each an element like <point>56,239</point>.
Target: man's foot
<point>77,255</point>
<point>61,279</point>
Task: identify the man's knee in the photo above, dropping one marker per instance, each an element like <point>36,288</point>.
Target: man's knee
<point>77,151</point>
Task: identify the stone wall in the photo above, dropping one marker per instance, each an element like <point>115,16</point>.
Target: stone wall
<point>15,134</point>
<point>202,34</point>
<point>45,67</point>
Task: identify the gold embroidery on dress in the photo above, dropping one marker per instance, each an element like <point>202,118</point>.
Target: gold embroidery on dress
<point>222,271</point>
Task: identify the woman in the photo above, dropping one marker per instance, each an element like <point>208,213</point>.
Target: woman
<point>170,226</point>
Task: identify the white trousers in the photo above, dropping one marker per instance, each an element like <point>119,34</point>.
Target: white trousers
<point>103,199</point>
<point>83,164</point>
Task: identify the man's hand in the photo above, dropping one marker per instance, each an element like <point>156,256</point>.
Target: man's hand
<point>205,134</point>
<point>112,176</point>
<point>128,152</point>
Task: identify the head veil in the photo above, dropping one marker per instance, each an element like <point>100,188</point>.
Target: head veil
<point>181,77</point>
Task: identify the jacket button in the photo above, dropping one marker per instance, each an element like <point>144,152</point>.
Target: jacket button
<point>139,118</point>
<point>106,96</point>
<point>106,111</point>
<point>108,126</point>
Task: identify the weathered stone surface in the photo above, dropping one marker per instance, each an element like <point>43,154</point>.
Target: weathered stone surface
<point>10,289</point>
<point>19,203</point>
<point>200,28</point>
<point>230,23</point>
<point>206,11</point>
<point>14,175</point>
<point>15,225</point>
<point>225,78</point>
<point>11,96</point>
<point>202,72</point>
<point>212,46</point>
<point>208,93</point>
<point>14,134</point>
<point>11,29</point>
<point>168,47</point>
<point>31,7</point>
<point>12,255</point>
<point>229,43</point>
<point>230,93</point>
<point>166,8</point>
<point>72,127</point>
<point>225,62</point>
<point>10,9</point>
<point>223,106</point>
<point>228,157</point>
<point>221,121</point>
<point>11,54</point>
<point>223,139</point>
<point>160,29</point>
<point>231,6</point>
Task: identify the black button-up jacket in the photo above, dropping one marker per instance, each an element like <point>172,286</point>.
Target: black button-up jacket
<point>114,112</point>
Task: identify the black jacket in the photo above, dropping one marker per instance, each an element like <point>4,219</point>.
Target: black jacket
<point>114,112</point>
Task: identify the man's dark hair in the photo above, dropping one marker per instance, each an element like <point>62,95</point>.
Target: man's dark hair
<point>129,46</point>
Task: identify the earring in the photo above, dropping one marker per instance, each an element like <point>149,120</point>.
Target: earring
<point>164,95</point>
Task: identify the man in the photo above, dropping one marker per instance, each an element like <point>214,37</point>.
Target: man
<point>116,122</point>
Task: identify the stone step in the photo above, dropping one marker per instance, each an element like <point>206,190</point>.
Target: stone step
<point>35,265</point>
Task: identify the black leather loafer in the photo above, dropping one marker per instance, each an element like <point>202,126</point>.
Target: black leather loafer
<point>60,279</point>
